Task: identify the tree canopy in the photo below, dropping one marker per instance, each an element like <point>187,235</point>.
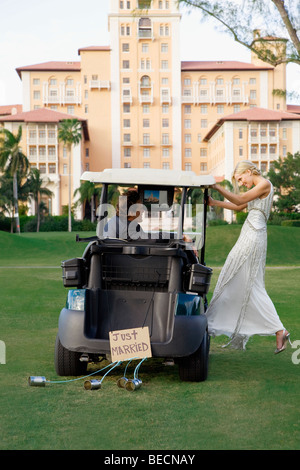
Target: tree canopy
<point>257,23</point>
<point>12,162</point>
<point>285,177</point>
<point>70,133</point>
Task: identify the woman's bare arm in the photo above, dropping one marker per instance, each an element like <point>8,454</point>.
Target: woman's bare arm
<point>261,189</point>
<point>226,205</point>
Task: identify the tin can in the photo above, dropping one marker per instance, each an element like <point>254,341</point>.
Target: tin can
<point>133,384</point>
<point>92,384</point>
<point>37,381</point>
<point>121,382</point>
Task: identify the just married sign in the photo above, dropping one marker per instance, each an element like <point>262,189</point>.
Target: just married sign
<point>128,344</point>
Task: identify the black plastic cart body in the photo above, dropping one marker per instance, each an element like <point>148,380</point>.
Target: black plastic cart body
<point>155,276</point>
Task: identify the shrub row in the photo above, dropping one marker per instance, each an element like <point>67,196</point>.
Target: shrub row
<point>291,223</point>
<point>59,223</point>
<point>276,218</point>
<point>54,223</point>
<point>214,222</point>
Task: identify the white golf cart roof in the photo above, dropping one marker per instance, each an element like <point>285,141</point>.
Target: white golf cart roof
<point>148,176</point>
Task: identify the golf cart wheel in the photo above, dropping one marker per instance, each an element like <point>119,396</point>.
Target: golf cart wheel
<point>194,368</point>
<point>67,362</point>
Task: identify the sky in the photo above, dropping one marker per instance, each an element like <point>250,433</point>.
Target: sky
<point>35,31</point>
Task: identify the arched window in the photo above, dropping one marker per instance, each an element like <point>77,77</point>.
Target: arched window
<point>52,81</point>
<point>69,81</point>
<point>145,81</point>
<point>144,23</point>
<point>145,28</point>
<point>53,95</point>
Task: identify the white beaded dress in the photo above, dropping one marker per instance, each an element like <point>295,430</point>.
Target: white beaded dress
<point>240,306</point>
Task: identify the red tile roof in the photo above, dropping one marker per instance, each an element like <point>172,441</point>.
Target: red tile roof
<point>260,114</point>
<point>293,108</point>
<point>253,114</point>
<point>38,115</point>
<point>221,65</point>
<point>44,115</point>
<point>94,48</point>
<point>10,109</point>
<point>185,66</point>
<point>51,67</point>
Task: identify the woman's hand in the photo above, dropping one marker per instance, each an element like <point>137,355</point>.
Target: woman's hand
<point>189,241</point>
<point>211,201</point>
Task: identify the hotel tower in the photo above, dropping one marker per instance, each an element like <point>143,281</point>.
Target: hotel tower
<point>141,106</point>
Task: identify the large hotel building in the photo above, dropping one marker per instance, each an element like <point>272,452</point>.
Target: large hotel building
<point>142,107</point>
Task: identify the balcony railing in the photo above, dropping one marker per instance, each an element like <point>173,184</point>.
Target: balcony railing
<point>42,140</point>
<point>269,157</point>
<point>42,158</point>
<point>146,143</point>
<point>210,94</point>
<point>165,96</point>
<point>62,94</point>
<point>146,99</point>
<point>264,139</point>
<point>145,34</point>
<point>190,99</point>
<point>146,94</point>
<point>62,99</point>
<point>99,84</point>
<point>126,95</point>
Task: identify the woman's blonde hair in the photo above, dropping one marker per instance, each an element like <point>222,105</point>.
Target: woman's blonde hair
<point>240,168</point>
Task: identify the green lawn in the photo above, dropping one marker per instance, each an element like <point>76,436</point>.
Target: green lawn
<point>283,244</point>
<point>250,400</point>
<point>50,248</point>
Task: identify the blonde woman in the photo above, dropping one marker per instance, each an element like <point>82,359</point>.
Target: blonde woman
<point>240,306</point>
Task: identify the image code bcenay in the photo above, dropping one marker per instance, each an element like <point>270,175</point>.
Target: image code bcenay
<point>167,459</point>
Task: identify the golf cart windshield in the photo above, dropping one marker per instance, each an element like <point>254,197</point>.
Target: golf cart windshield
<point>155,208</point>
<point>157,215</point>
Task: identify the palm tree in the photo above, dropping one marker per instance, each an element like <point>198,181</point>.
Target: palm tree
<point>87,193</point>
<point>4,203</point>
<point>36,189</point>
<point>69,133</point>
<point>7,200</point>
<point>12,161</point>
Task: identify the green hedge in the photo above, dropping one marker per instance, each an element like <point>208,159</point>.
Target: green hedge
<point>276,218</point>
<point>291,223</point>
<point>241,217</point>
<point>5,223</point>
<point>214,222</point>
<point>58,223</point>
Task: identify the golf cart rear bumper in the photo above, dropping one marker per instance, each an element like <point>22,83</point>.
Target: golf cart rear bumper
<point>188,332</point>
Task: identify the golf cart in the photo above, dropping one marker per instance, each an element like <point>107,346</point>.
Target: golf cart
<point>153,278</point>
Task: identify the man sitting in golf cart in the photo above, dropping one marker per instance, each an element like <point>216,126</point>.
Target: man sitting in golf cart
<point>125,224</point>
